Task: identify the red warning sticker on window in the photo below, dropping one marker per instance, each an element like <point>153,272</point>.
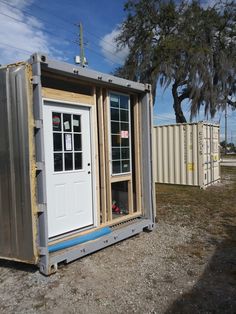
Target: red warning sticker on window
<point>124,134</point>
<point>56,120</point>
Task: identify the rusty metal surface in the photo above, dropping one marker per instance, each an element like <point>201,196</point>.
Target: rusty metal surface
<point>16,235</point>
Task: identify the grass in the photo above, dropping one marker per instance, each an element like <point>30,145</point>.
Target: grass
<point>228,156</point>
<point>210,209</point>
<point>210,217</point>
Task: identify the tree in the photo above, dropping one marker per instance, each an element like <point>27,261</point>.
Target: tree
<point>183,45</point>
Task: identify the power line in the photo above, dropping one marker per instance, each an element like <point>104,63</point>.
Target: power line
<point>35,27</point>
<point>58,17</point>
<point>17,48</point>
<point>29,14</point>
<point>117,59</point>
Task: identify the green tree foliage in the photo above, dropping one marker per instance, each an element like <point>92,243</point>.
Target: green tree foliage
<point>185,46</point>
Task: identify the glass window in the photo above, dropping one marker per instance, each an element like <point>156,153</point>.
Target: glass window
<point>120,133</point>
<point>115,127</point>
<point>67,122</point>
<point>57,142</point>
<point>68,161</point>
<point>115,153</point>
<point>77,142</point>
<point>124,102</point>
<point>76,123</point>
<point>67,139</point>
<point>56,121</point>
<point>78,161</point>
<point>116,140</point>
<point>116,167</point>
<point>124,115</point>
<point>115,114</point>
<point>58,164</point>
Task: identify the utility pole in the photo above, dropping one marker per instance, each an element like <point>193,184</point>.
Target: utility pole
<point>81,59</point>
<point>81,43</point>
<point>226,129</point>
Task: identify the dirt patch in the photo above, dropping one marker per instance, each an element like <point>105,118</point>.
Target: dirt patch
<point>186,265</point>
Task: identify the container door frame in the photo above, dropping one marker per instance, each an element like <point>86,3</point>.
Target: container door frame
<point>93,153</point>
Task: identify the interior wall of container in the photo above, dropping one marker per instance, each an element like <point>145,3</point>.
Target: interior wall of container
<point>186,154</point>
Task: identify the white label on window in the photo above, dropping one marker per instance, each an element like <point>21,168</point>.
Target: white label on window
<point>124,134</point>
<point>114,98</point>
<point>67,125</point>
<point>76,122</point>
<point>68,141</point>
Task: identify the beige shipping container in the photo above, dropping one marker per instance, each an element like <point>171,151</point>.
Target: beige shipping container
<point>187,154</point>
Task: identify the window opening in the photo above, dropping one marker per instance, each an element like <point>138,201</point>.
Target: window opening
<point>120,133</point>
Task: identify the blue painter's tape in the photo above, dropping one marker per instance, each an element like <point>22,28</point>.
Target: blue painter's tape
<point>75,241</point>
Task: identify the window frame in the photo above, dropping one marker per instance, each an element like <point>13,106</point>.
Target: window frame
<point>64,151</point>
<point>128,173</point>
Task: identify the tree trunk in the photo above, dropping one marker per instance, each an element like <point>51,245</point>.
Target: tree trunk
<point>180,118</point>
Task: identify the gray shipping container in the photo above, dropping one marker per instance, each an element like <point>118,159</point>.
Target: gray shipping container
<point>187,154</point>
<point>73,146</point>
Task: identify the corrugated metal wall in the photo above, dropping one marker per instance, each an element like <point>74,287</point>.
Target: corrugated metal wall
<point>16,234</point>
<point>186,154</point>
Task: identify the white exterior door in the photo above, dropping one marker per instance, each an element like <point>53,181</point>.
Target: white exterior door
<point>67,143</point>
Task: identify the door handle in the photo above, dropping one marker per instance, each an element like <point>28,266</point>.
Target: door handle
<point>89,172</point>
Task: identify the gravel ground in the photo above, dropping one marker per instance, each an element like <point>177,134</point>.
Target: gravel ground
<point>186,265</point>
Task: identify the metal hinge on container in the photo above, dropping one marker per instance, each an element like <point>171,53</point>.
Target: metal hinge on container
<point>38,124</point>
<point>41,208</point>
<point>40,165</point>
<point>43,251</point>
<point>36,79</point>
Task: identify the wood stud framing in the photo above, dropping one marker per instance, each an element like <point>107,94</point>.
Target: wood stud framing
<point>137,154</point>
<point>107,156</point>
<point>100,110</point>
<point>100,117</point>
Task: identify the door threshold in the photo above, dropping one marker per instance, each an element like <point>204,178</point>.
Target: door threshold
<point>71,234</point>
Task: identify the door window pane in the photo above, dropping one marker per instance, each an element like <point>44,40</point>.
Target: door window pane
<point>57,142</point>
<point>67,141</point>
<point>77,142</point>
<point>78,161</point>
<point>58,164</point>
<point>67,122</point>
<point>68,161</point>
<point>56,121</point>
<point>76,123</point>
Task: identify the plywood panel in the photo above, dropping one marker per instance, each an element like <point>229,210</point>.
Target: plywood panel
<point>67,96</point>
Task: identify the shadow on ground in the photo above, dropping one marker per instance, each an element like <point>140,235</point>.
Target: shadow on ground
<point>18,266</point>
<point>215,291</point>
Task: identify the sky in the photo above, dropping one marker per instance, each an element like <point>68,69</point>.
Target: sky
<point>51,27</point>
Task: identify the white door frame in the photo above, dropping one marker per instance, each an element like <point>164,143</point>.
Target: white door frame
<point>93,155</point>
